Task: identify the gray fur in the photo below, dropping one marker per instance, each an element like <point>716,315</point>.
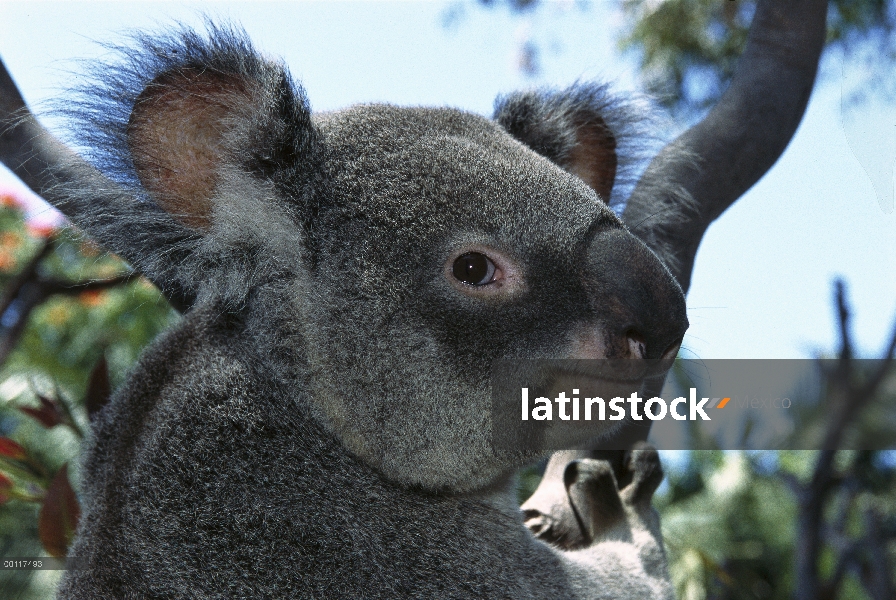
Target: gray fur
<point>318,424</point>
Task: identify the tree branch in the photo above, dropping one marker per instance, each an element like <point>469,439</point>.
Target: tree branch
<point>847,399</point>
<point>49,167</point>
<point>700,174</point>
<point>14,287</point>
<point>28,290</point>
<point>59,286</point>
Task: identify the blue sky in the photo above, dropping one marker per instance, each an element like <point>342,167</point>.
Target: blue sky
<point>762,287</point>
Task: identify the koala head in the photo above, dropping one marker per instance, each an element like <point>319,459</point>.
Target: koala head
<point>390,254</point>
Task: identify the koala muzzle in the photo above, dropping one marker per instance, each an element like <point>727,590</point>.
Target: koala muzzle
<point>637,306</point>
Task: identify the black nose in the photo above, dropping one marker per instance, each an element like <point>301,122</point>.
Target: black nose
<point>634,296</point>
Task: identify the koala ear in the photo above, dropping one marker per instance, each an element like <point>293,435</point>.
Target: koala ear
<point>211,158</point>
<point>593,157</point>
<point>572,128</point>
<point>176,138</point>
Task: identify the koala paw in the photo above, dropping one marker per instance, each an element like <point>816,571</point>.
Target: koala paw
<point>589,496</point>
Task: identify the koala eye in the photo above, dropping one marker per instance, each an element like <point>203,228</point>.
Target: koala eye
<point>474,268</point>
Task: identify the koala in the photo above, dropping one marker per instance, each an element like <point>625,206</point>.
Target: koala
<point>318,423</point>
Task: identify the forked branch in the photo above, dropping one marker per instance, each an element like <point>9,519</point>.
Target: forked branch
<point>849,393</point>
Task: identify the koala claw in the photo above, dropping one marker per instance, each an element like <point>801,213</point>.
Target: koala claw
<point>583,498</point>
<point>643,463</point>
<point>594,497</point>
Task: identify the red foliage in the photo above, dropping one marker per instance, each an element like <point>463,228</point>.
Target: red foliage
<point>40,230</point>
<point>92,297</point>
<point>49,415</point>
<point>9,200</point>
<point>98,388</point>
<point>58,518</point>
<point>5,488</point>
<point>11,449</point>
